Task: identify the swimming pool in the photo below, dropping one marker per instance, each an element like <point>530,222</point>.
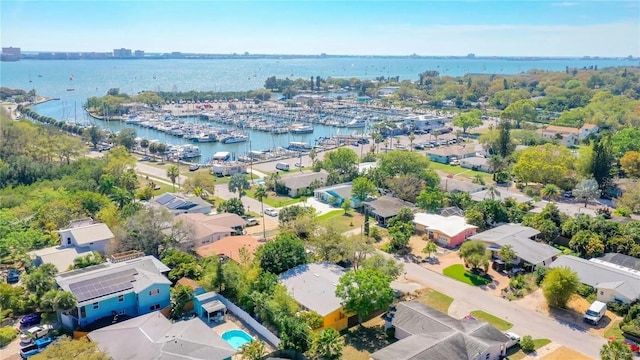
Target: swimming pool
<point>236,338</point>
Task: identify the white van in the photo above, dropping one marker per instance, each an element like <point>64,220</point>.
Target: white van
<point>282,166</point>
<point>595,312</point>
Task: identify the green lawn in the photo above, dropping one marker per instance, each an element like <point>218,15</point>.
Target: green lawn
<point>340,222</point>
<point>459,273</point>
<point>436,300</point>
<point>515,353</point>
<point>614,330</point>
<point>274,200</point>
<point>457,170</point>
<point>500,324</point>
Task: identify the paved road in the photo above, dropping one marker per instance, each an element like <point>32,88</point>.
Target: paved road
<point>525,321</point>
<point>157,173</point>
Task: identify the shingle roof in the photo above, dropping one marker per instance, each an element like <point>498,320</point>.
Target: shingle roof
<point>502,194</point>
<point>456,150</point>
<point>60,257</point>
<point>596,273</point>
<point>154,337</point>
<point>91,233</point>
<point>200,225</point>
<point>622,260</point>
<point>344,190</point>
<point>474,160</point>
<point>519,237</point>
<point>387,206</point>
<point>314,286</point>
<point>452,184</point>
<point>230,246</point>
<point>437,336</point>
<point>302,180</point>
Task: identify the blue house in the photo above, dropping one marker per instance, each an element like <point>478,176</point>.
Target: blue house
<point>209,307</point>
<point>129,288</point>
<point>336,194</point>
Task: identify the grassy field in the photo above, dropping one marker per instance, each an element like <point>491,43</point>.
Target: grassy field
<point>340,222</point>
<point>460,171</point>
<point>274,200</point>
<point>459,273</point>
<point>436,300</point>
<point>499,323</point>
<point>515,353</point>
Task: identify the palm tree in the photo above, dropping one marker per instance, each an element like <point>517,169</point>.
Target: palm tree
<point>328,344</point>
<point>261,194</point>
<point>239,184</point>
<point>507,253</point>
<point>106,184</point>
<point>492,193</point>
<point>313,155</point>
<point>550,191</point>
<point>412,137</point>
<point>430,248</point>
<point>121,196</point>
<point>173,172</point>
<point>272,181</point>
<point>144,143</point>
<point>497,164</point>
<point>616,350</point>
<point>435,134</point>
<point>478,179</point>
<point>253,350</point>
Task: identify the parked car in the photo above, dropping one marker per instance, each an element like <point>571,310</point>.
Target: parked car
<point>363,141</point>
<point>252,221</point>
<point>145,158</point>
<point>454,162</point>
<point>632,345</point>
<point>299,165</point>
<point>194,167</point>
<point>35,332</point>
<point>13,276</point>
<point>514,339</point>
<point>30,320</point>
<point>271,212</point>
<point>595,312</point>
<point>37,346</point>
<point>355,143</point>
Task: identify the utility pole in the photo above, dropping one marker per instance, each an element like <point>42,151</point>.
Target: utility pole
<point>251,163</point>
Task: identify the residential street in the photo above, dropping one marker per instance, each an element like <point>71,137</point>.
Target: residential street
<point>525,321</point>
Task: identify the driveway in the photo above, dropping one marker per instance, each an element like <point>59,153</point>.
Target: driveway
<point>526,321</point>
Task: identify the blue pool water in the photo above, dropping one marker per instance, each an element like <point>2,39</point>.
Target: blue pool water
<point>236,338</point>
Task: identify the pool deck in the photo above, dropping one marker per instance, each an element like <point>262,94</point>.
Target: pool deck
<point>234,323</point>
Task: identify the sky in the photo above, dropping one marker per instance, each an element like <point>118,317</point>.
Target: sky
<point>436,28</point>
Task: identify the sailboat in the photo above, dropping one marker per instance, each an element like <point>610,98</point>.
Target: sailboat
<point>71,83</point>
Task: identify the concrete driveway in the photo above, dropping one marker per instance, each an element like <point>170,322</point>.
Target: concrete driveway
<point>526,321</point>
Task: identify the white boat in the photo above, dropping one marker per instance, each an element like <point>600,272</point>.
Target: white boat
<point>356,123</point>
<point>235,139</point>
<point>205,137</point>
<point>188,151</point>
<point>301,129</point>
<point>299,146</point>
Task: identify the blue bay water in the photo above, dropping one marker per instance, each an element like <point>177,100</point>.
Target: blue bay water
<point>52,78</point>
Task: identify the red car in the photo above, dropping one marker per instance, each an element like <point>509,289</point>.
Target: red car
<point>632,345</point>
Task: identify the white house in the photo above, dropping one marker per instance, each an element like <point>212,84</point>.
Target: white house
<point>568,136</point>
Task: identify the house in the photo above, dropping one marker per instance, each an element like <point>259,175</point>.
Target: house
<point>387,91</point>
<point>129,288</point>
<point>449,231</point>
<point>426,333</point>
<point>80,238</point>
<point>229,247</point>
<point>445,154</point>
<point>207,229</point>
<point>154,337</point>
<point>425,123</point>
<point>385,207</point>
<point>476,163</point>
<point>568,136</point>
<point>453,185</point>
<point>314,287</point>
<point>209,307</point>
<point>612,282</point>
<point>228,168</point>
<point>181,204</point>
<point>500,194</point>
<point>298,184</point>
<point>521,239</point>
<point>336,194</point>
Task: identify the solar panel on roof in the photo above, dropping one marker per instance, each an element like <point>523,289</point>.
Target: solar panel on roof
<point>186,206</point>
<point>165,198</point>
<point>175,204</point>
<point>103,285</point>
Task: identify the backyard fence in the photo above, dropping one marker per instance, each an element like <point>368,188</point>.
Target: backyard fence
<point>259,328</point>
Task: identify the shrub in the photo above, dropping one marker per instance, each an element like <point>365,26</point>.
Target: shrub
<point>517,282</point>
<point>387,248</point>
<point>531,191</point>
<point>585,290</point>
<point>618,308</point>
<point>526,344</point>
<point>502,177</point>
<point>5,313</point>
<point>375,234</point>
<point>623,211</point>
<point>540,273</point>
<point>7,334</point>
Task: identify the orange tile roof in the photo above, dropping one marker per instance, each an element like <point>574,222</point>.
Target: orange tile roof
<point>230,247</point>
<point>562,129</point>
<point>189,282</point>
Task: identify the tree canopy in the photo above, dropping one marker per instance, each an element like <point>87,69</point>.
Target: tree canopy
<point>364,291</point>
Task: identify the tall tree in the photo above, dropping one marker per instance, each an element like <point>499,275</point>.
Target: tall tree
<point>362,188</point>
<point>544,164</point>
<point>586,190</point>
<point>285,252</point>
<point>520,111</point>
<point>558,286</point>
<point>550,191</point>
<point>94,135</point>
<point>430,248</point>
<point>468,120</point>
<point>364,291</point>
<point>505,147</point>
<point>239,184</point>
<point>127,138</point>
<point>327,344</point>
<point>254,349</point>
<point>173,173</point>
<point>475,254</point>
<point>507,253</point>
<point>602,162</point>
<point>630,164</point>
<point>261,194</point>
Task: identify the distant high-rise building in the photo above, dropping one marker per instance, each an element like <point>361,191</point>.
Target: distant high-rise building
<point>122,53</point>
<point>139,53</point>
<point>10,54</point>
